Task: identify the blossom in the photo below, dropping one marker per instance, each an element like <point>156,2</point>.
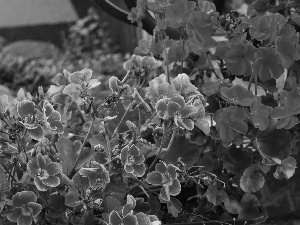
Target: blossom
<point>45,172</point>
<point>30,120</point>
<point>96,174</point>
<point>139,63</point>
<point>80,83</point>
<point>24,208</point>
<point>166,176</point>
<point>133,160</point>
<point>184,114</point>
<point>52,118</point>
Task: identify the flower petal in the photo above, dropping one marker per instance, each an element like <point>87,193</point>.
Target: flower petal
<point>24,220</point>
<point>129,168</point>
<point>32,168</point>
<point>53,168</point>
<point>13,217</point>
<point>185,123</point>
<point>161,167</point>
<point>130,220</point>
<point>80,77</point>
<point>35,207</point>
<point>57,126</point>
<point>47,108</point>
<point>114,218</point>
<point>124,154</point>
<point>175,188</point>
<point>154,178</point>
<point>16,200</point>
<point>94,83</point>
<point>27,196</point>
<point>25,108</point>
<point>173,107</point>
<point>139,170</point>
<point>36,133</point>
<point>188,111</point>
<point>172,171</point>
<point>161,107</point>
<point>41,161</point>
<point>51,181</point>
<point>134,151</point>
<point>139,159</point>
<point>39,185</point>
<point>164,193</point>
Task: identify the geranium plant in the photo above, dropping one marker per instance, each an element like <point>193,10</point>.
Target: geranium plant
<point>187,135</point>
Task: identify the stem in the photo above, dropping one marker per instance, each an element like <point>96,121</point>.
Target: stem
<point>123,117</point>
<point>167,62</point>
<point>182,51</point>
<point>84,142</point>
<point>107,143</point>
<point>250,81</point>
<point>255,80</point>
<point>170,143</point>
<point>157,155</point>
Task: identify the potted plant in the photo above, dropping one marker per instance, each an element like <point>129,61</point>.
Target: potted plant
<point>177,140</point>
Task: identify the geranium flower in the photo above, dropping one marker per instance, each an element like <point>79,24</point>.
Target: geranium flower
<point>30,119</point>
<point>133,160</point>
<point>45,172</point>
<point>166,176</point>
<point>52,118</point>
<point>97,174</point>
<point>141,63</point>
<point>159,88</point>
<point>184,115</point>
<point>24,208</point>
<point>80,83</point>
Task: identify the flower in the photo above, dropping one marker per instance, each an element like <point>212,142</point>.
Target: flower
<point>30,120</point>
<point>97,174</point>
<point>133,160</point>
<point>52,118</point>
<point>45,172</point>
<point>141,63</point>
<point>80,83</point>
<point>166,176</point>
<point>25,208</point>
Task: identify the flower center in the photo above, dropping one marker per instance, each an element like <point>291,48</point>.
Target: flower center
<point>26,211</point>
<point>43,174</point>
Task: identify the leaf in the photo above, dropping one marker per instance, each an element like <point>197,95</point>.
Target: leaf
<point>189,155</point>
<point>259,114</point>
<point>249,206</point>
<point>216,196</point>
<point>72,199</point>
<point>174,206</point>
<point>286,169</point>
<point>252,180</point>
<point>113,204</point>
<point>274,143</point>
<point>238,95</point>
<point>232,205</point>
<point>69,151</point>
<point>143,219</point>
<point>236,160</point>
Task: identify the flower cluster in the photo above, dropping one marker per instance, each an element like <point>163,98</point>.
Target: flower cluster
<point>25,208</point>
<point>133,160</point>
<point>166,176</point>
<point>128,218</point>
<point>45,172</point>
<point>179,101</point>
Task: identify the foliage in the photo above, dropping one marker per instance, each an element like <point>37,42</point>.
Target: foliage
<point>173,129</point>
